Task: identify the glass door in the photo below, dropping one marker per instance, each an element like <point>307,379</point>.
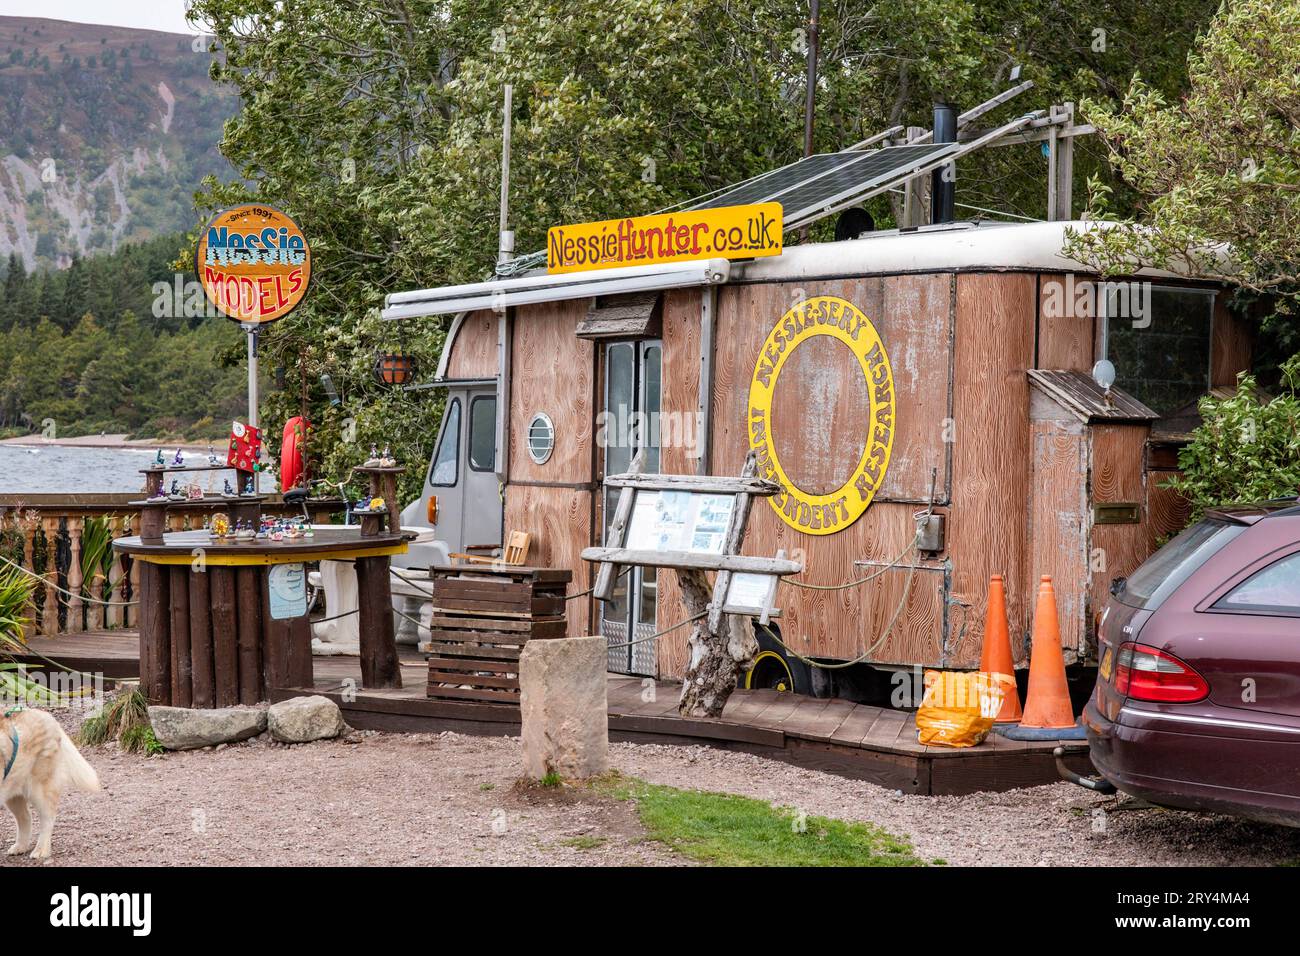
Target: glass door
<point>632,393</point>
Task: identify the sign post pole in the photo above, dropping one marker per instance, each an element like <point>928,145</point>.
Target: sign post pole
<point>255,266</point>
<point>251,329</point>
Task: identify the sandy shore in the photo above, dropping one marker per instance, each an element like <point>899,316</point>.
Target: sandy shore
<point>101,441</point>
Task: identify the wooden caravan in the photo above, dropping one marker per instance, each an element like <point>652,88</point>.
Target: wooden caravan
<point>947,368</point>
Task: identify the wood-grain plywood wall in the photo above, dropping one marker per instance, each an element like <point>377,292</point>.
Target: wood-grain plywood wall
<point>553,372</point>
<point>1117,478</point>
<point>1064,341</point>
<point>559,520</point>
<point>987,526</point>
<point>1230,345</point>
<point>1058,529</point>
<point>680,379</point>
<point>912,314</point>
<point>474,350</point>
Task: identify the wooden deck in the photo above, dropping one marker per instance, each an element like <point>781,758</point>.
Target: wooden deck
<point>853,740</point>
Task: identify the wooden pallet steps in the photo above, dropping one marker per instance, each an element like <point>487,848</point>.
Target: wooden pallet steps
<point>482,616</point>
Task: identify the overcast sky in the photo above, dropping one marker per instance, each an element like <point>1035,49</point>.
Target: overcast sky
<point>167,15</point>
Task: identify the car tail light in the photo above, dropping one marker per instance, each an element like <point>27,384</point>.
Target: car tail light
<point>432,510</point>
<point>1148,673</point>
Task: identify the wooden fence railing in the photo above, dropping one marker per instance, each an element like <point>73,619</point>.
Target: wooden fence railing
<point>43,535</point>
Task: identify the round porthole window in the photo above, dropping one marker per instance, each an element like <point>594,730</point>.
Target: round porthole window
<point>541,438</point>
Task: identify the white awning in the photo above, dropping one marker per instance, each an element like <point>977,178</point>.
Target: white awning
<point>497,294</point>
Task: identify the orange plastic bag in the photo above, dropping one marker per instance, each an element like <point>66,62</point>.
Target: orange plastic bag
<point>958,708</point>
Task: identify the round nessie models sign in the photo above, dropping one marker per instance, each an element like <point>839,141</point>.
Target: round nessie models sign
<point>797,424</point>
<point>254,263</point>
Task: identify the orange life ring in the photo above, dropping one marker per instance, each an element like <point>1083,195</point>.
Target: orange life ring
<point>291,442</point>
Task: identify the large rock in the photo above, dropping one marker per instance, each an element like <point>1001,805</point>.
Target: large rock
<point>564,704</point>
<point>300,719</point>
<point>180,728</point>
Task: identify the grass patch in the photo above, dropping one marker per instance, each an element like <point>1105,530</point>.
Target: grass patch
<point>551,779</point>
<point>728,830</point>
<point>125,719</point>
<point>487,786</point>
<point>584,842</point>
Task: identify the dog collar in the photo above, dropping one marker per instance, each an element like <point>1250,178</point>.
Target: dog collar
<point>13,738</point>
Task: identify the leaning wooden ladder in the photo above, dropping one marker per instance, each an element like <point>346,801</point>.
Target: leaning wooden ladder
<point>720,623</point>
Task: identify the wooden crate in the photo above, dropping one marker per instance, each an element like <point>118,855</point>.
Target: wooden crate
<point>482,617</point>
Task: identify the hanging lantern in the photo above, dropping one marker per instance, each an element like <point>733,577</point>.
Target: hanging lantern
<point>394,368</point>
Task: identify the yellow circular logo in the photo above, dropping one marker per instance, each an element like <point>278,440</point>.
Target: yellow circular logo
<point>804,510</point>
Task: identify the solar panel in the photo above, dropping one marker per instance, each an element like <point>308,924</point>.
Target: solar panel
<point>763,188</point>
<point>882,166</point>
<point>822,181</point>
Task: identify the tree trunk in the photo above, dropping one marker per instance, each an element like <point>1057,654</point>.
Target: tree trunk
<point>717,658</point>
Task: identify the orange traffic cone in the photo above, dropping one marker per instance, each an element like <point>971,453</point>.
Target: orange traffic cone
<point>1048,702</point>
<point>995,658</point>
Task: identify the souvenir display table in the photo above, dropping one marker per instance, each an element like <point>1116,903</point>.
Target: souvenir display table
<point>221,620</point>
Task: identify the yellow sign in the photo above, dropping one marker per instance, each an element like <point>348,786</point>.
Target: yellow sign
<point>824,315</point>
<point>728,232</point>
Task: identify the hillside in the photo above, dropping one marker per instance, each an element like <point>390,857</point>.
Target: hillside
<point>105,132</point>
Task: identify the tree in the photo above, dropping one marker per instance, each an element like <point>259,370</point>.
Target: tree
<point>377,126</point>
<point>1220,165</point>
<point>1218,173</point>
<point>1246,449</point>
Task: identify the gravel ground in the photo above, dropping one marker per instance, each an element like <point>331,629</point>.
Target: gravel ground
<point>393,799</point>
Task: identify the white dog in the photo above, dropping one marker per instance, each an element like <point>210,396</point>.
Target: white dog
<point>39,763</point>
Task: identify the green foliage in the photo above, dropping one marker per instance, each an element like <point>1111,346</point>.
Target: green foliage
<point>378,128</point>
<point>125,719</point>
<point>15,593</point>
<point>721,829</point>
<point>1244,450</point>
<point>84,347</point>
<point>96,550</point>
<point>1219,165</point>
<point>16,590</point>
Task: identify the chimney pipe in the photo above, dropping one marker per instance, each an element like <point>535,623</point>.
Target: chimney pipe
<point>942,190</point>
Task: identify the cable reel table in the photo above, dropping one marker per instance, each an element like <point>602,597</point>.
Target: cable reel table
<point>220,624</point>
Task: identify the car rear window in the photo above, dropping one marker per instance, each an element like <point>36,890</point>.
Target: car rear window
<point>1162,573</point>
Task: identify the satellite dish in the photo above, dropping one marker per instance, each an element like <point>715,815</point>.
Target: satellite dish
<point>1103,373</point>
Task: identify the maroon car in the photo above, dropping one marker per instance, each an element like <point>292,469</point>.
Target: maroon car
<point>1197,702</point>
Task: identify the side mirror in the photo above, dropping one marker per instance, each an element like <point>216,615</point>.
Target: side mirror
<point>1117,585</point>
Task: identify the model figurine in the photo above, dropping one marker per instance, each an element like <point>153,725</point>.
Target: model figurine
<point>386,460</point>
<point>179,459</point>
<point>158,459</point>
<point>373,460</point>
<point>227,491</point>
<point>212,456</point>
<point>175,494</point>
<point>248,487</point>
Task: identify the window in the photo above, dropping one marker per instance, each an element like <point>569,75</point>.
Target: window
<point>1159,342</point>
<point>483,433</point>
<point>541,438</point>
<point>1162,573</point>
<point>443,472</point>
<point>1274,590</point>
